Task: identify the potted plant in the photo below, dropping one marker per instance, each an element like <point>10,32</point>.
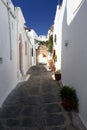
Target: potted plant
<point>57,74</point>
<point>69,98</point>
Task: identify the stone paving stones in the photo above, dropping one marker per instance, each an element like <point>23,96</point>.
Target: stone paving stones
<point>10,111</point>
<point>12,122</point>
<point>54,119</point>
<point>34,91</point>
<point>28,111</point>
<point>42,128</point>
<point>34,104</point>
<point>52,108</point>
<point>58,128</point>
<point>49,98</point>
<point>28,122</point>
<point>31,100</point>
<point>47,89</point>
<point>20,91</point>
<point>1,126</point>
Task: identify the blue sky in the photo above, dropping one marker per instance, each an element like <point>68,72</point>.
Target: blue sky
<point>39,14</point>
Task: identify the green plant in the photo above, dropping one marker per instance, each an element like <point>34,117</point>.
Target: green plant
<point>57,72</point>
<point>50,44</point>
<point>69,98</point>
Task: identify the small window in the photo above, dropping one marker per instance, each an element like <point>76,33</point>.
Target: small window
<point>25,48</point>
<point>32,51</point>
<point>55,38</point>
<point>1,60</point>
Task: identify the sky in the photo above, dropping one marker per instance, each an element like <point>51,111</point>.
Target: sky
<point>39,14</point>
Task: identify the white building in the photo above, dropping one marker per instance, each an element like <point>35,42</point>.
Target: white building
<point>29,46</point>
<point>23,45</point>
<point>33,39</point>
<point>74,51</point>
<point>42,38</point>
<point>8,49</point>
<point>15,48</point>
<point>57,35</point>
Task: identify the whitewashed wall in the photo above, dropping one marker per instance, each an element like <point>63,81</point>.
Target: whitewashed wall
<point>22,36</point>
<point>8,49</point>
<point>33,37</point>
<point>57,34</point>
<point>74,53</point>
<point>20,26</point>
<point>25,52</point>
<point>29,50</point>
<point>11,27</point>
<point>56,40</point>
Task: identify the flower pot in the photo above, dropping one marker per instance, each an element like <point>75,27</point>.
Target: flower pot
<point>69,98</point>
<point>67,104</point>
<point>58,76</point>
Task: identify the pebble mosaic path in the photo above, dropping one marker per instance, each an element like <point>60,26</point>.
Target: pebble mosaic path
<point>35,104</point>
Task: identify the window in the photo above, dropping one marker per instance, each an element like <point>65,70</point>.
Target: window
<point>32,51</point>
<point>1,60</point>
<point>55,38</point>
<point>25,48</point>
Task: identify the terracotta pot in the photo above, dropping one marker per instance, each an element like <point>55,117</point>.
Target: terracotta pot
<point>67,104</point>
<point>58,76</point>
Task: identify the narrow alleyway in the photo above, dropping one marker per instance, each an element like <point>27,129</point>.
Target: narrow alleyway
<point>35,105</point>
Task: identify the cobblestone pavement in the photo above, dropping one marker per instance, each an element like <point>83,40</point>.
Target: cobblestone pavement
<point>35,105</point>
